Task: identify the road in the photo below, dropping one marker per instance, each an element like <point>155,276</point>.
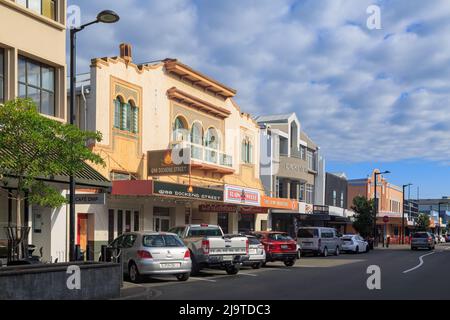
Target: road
<point>405,274</point>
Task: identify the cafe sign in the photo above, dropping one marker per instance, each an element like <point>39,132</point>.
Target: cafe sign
<point>181,191</point>
<point>169,162</point>
<point>241,195</point>
<point>89,198</point>
<point>279,203</point>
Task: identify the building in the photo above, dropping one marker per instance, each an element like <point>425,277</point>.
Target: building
<point>145,112</point>
<point>390,203</point>
<point>291,168</point>
<point>437,209</point>
<point>33,65</point>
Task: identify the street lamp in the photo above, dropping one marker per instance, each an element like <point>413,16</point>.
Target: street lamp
<point>376,204</point>
<point>106,16</point>
<point>403,212</point>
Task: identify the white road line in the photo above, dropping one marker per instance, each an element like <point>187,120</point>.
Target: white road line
<point>247,274</point>
<point>421,262</point>
<point>202,279</point>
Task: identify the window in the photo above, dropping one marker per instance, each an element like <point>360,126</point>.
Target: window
<point>37,81</point>
<point>2,75</point>
<point>334,198</point>
<point>310,159</point>
<point>127,221</point>
<point>212,139</point>
<point>136,221</point>
<point>247,151</point>
<point>342,199</point>
<point>303,152</point>
<point>309,193</point>
<point>122,176</point>
<point>45,7</point>
<point>302,194</point>
<point>126,116</point>
<point>119,222</point>
<point>161,241</point>
<point>180,129</point>
<point>197,133</point>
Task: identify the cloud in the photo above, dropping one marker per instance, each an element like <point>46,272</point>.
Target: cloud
<point>360,94</point>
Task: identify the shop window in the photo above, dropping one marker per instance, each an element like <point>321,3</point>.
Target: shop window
<point>136,221</point>
<point>127,221</point>
<point>222,221</point>
<point>37,81</point>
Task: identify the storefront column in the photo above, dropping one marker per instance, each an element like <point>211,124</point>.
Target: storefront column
<point>233,221</point>
<point>148,215</point>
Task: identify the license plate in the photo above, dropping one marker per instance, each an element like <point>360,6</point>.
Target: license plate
<point>252,251</point>
<point>170,265</point>
<point>284,246</point>
<point>227,258</point>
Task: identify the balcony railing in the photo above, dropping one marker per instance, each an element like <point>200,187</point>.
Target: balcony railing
<point>205,154</point>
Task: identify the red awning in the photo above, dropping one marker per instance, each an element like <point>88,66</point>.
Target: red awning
<point>132,188</point>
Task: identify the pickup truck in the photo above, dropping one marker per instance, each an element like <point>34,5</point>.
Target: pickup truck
<point>210,249</point>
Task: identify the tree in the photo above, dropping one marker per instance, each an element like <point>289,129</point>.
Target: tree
<point>364,215</point>
<point>422,222</point>
<point>34,147</point>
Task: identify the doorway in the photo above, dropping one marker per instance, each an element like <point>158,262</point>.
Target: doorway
<point>161,219</point>
<point>222,221</point>
<point>82,231</point>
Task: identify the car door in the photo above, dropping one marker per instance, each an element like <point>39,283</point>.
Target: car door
<point>127,251</point>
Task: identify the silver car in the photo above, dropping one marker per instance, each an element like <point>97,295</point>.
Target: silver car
<point>256,256</point>
<point>153,253</point>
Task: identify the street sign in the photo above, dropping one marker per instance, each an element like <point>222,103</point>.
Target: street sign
<point>385,219</point>
<point>89,198</point>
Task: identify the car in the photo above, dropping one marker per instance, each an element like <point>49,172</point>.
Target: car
<point>422,239</point>
<point>435,240</point>
<point>319,241</point>
<point>441,238</point>
<point>447,238</point>
<point>210,249</point>
<point>279,246</point>
<point>152,253</point>
<point>354,243</point>
<point>256,254</point>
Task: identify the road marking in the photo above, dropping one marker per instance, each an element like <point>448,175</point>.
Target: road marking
<point>421,262</point>
<point>247,274</point>
<point>202,279</point>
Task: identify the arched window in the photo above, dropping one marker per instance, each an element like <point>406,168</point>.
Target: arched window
<point>246,153</point>
<point>126,115</point>
<point>197,133</point>
<point>212,139</point>
<point>180,129</point>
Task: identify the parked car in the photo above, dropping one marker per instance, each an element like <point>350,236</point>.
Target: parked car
<point>319,241</point>
<point>279,246</point>
<point>447,238</point>
<point>354,243</point>
<point>256,254</point>
<point>435,241</point>
<point>210,249</point>
<point>152,253</point>
<point>422,240</point>
<point>441,238</point>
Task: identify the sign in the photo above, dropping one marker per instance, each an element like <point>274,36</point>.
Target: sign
<point>279,203</point>
<point>89,198</point>
<point>181,191</point>
<point>229,208</point>
<point>169,162</point>
<point>385,219</point>
<point>241,195</point>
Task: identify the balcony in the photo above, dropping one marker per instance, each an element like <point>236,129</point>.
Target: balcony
<point>207,158</point>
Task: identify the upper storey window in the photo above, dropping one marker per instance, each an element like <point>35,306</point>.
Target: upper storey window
<point>126,115</point>
<point>246,152</point>
<point>46,8</point>
<point>180,129</point>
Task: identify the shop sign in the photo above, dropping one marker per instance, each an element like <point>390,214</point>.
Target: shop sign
<point>181,191</point>
<point>241,195</point>
<point>89,198</point>
<point>279,203</point>
<point>227,208</point>
<point>169,162</point>
<point>252,210</point>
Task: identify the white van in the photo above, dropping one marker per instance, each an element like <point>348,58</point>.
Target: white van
<point>319,241</point>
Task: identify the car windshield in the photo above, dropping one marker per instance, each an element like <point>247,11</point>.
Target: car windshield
<point>279,236</point>
<point>420,235</point>
<point>160,241</point>
<point>204,232</point>
<point>347,238</point>
<point>307,233</point>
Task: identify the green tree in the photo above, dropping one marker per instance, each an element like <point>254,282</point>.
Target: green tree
<point>422,222</point>
<point>33,146</point>
<point>364,215</point>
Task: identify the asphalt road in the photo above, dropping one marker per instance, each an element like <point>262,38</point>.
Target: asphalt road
<point>342,277</point>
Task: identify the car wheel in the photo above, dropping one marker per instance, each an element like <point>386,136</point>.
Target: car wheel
<point>195,269</point>
<point>183,276</point>
<point>357,249</point>
<point>289,263</point>
<point>263,264</point>
<point>325,252</point>
<point>337,252</point>
<point>233,269</point>
<point>133,273</point>
<point>367,249</point>
<point>256,265</point>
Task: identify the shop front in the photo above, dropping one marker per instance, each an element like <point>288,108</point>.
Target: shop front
<point>283,214</point>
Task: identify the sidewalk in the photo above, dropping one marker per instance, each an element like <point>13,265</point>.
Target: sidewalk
<point>394,247</point>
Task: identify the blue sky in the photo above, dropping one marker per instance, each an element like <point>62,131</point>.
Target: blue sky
<point>352,88</point>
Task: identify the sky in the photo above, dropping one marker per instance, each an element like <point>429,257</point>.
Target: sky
<point>371,98</point>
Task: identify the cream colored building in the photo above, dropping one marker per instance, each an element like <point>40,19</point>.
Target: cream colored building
<point>156,106</point>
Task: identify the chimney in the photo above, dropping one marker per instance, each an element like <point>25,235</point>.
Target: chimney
<point>125,52</point>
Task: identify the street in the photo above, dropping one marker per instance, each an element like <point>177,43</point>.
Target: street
<point>342,277</point>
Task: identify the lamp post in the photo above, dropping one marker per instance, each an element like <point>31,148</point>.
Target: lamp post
<point>376,174</point>
<point>106,16</point>
<point>439,217</point>
<point>403,212</point>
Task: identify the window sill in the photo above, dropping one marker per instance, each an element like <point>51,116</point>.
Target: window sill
<point>32,14</point>
<point>126,133</point>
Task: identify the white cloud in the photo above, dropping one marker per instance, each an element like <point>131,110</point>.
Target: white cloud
<point>361,94</point>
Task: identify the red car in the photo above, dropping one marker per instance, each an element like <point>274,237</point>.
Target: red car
<point>279,246</point>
